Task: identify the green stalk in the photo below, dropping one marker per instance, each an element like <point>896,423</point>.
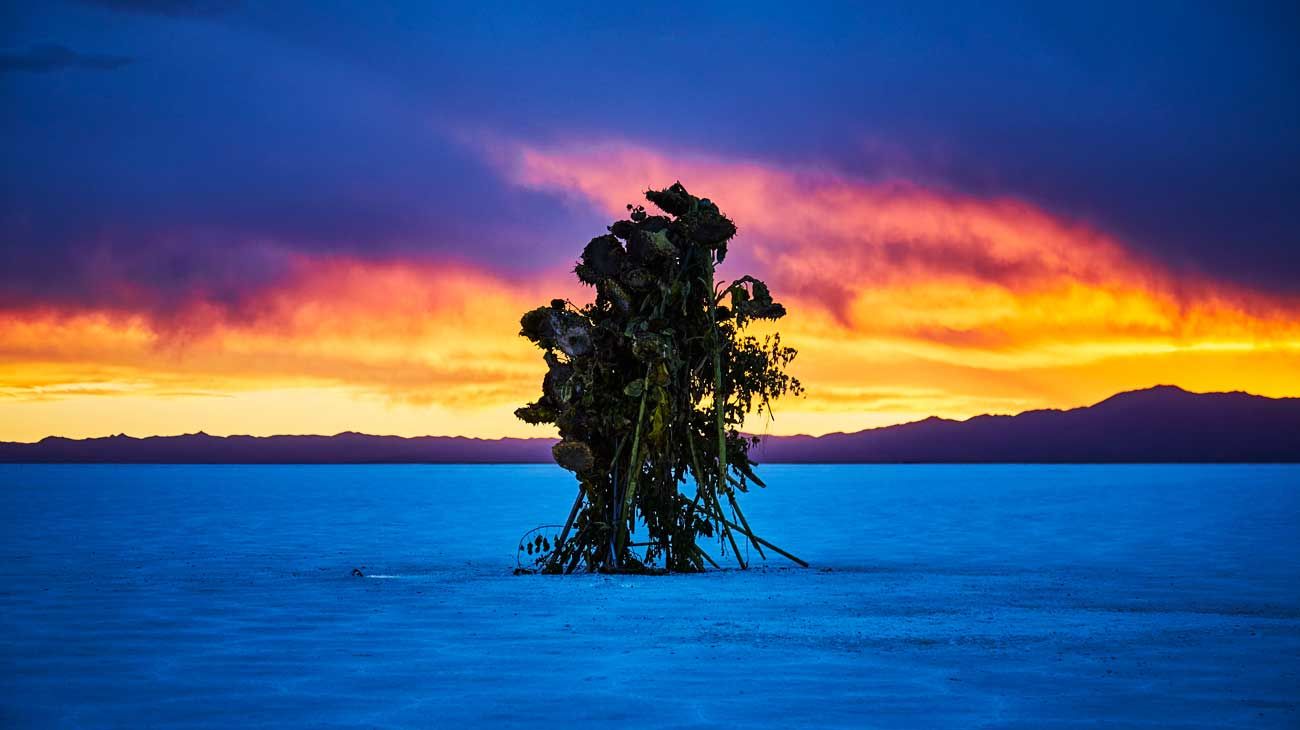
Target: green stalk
<point>710,497</point>
<point>568,524</point>
<point>719,397</point>
<point>700,485</point>
<point>633,469</point>
<point>706,556</point>
<point>735,506</point>
<point>720,408</point>
<point>717,505</point>
<point>738,528</point>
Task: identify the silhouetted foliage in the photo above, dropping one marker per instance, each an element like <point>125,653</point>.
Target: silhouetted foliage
<point>649,384</point>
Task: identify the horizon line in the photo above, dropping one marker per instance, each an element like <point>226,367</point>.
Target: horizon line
<point>202,432</point>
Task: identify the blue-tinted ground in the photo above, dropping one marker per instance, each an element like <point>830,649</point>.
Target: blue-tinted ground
<point>955,596</point>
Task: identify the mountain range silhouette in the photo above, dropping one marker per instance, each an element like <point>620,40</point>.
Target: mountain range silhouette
<point>1160,424</point>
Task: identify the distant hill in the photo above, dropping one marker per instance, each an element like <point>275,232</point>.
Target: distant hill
<point>1160,424</point>
<point>343,448</point>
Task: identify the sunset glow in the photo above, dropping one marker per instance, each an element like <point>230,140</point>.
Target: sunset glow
<point>906,302</point>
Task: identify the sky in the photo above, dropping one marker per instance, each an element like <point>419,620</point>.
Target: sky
<point>248,217</point>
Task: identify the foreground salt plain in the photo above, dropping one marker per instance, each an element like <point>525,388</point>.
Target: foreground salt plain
<point>941,596</point>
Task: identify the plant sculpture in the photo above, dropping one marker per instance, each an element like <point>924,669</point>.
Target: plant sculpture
<point>650,383</point>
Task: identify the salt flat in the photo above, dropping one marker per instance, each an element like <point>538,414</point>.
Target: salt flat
<point>940,596</point>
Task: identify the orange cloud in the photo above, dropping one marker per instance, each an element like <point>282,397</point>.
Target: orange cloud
<point>905,302</point>
<point>438,339</point>
<point>967,304</point>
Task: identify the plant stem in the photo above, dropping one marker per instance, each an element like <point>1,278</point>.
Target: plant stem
<point>735,506</point>
<point>719,396</point>
<point>727,532</point>
<point>720,407</point>
<point>707,557</point>
<point>568,524</point>
<point>633,471</point>
<point>738,528</point>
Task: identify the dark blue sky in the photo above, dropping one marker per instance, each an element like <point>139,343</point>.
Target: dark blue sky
<point>157,148</point>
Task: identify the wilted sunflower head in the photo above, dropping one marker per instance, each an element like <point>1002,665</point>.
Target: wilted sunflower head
<point>555,327</point>
<point>575,456</point>
<point>602,258</point>
<point>673,200</point>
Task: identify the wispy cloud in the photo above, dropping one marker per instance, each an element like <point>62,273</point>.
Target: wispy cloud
<point>175,8</point>
<point>48,57</point>
<point>991,277</point>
